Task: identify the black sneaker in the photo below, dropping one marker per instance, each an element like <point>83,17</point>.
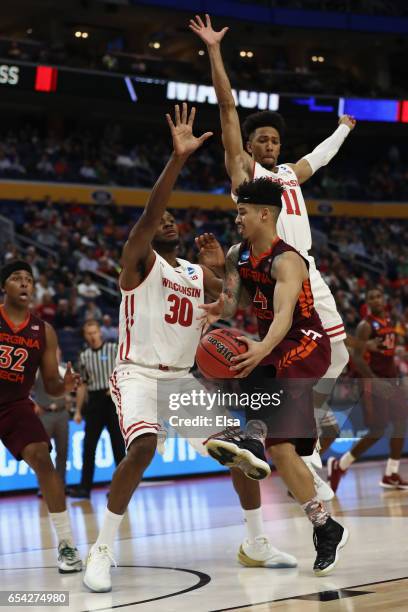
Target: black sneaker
<point>233,448</point>
<point>78,492</point>
<point>328,539</point>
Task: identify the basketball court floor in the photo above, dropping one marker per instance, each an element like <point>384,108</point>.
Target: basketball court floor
<point>178,545</point>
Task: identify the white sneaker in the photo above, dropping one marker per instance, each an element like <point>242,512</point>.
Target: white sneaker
<point>314,459</point>
<point>260,553</point>
<point>97,573</point>
<point>323,490</point>
<point>69,560</point>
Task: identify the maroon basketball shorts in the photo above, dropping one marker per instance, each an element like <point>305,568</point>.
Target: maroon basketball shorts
<point>288,374</point>
<point>380,410</point>
<point>20,426</point>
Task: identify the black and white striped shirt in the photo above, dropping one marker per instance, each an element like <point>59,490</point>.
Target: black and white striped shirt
<point>96,365</point>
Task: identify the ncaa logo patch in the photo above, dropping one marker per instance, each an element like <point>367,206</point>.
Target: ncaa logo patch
<point>192,273</point>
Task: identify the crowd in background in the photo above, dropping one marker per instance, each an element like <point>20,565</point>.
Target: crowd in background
<point>77,253</point>
<point>110,159</point>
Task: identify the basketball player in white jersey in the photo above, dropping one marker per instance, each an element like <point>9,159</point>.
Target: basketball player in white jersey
<point>262,133</point>
<point>158,338</point>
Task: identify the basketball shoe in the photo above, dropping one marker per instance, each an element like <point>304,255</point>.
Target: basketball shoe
<point>97,575</point>
<point>328,539</point>
<point>334,472</point>
<point>235,448</point>
<point>69,560</point>
<point>393,482</point>
<point>260,553</point>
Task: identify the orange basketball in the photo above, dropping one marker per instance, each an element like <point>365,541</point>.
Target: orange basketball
<point>215,351</point>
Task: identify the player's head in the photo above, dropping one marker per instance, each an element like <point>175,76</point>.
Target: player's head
<point>259,203</point>
<point>92,333</point>
<point>167,236</point>
<point>17,282</point>
<point>263,133</point>
<point>376,300</point>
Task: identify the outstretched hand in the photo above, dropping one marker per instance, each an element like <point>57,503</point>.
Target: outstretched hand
<point>184,141</point>
<point>348,120</point>
<point>212,312</point>
<point>72,380</point>
<point>206,32</point>
<point>211,253</point>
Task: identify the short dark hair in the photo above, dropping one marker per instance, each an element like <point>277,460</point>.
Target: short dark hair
<point>15,265</point>
<point>263,119</point>
<point>375,288</point>
<point>261,191</point>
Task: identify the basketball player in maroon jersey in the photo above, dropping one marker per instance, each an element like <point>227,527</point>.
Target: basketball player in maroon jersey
<point>384,402</point>
<point>293,346</point>
<point>26,344</point>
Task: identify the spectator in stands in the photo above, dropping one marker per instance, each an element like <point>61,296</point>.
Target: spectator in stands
<point>110,333</point>
<point>46,309</point>
<point>64,317</point>
<point>87,261</point>
<point>90,311</point>
<point>88,289</point>
<point>45,167</point>
<point>43,286</point>
<point>87,171</point>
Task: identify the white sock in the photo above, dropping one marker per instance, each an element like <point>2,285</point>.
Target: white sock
<point>254,523</point>
<point>346,460</point>
<point>392,467</point>
<point>62,526</point>
<point>109,530</point>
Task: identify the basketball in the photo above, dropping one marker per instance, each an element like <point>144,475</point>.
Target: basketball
<point>215,351</point>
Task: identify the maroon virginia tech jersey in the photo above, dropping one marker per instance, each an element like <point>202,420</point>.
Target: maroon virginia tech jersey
<point>255,273</point>
<point>21,350</point>
<point>382,363</point>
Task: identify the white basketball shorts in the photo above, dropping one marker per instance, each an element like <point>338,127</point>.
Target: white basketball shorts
<point>325,304</point>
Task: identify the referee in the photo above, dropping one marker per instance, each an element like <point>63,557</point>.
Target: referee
<point>96,363</point>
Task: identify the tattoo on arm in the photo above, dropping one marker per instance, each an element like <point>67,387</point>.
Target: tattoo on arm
<point>232,283</point>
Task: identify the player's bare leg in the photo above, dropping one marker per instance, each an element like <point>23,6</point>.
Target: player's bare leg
<point>130,471</point>
<point>256,549</point>
<point>37,456</point>
<point>337,468</point>
<point>125,480</point>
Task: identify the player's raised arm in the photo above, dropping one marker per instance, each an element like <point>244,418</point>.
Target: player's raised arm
<point>237,160</point>
<point>137,252</point>
<point>325,151</point>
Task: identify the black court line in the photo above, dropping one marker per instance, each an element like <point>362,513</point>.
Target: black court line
<point>203,579</point>
<point>309,595</point>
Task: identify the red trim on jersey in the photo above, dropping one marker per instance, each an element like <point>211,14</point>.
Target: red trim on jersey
<point>15,328</point>
<point>147,274</point>
<point>116,392</point>
<point>328,329</point>
<point>255,261</point>
<point>139,423</point>
<point>156,428</point>
<point>129,322</point>
<point>383,322</point>
<point>339,333</point>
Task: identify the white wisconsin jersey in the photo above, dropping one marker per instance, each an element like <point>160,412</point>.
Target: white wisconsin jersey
<point>158,319</point>
<point>293,223</point>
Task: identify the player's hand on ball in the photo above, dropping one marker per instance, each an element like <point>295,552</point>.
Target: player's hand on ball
<point>246,362</point>
<point>206,32</point>
<point>211,253</point>
<point>72,380</point>
<point>348,120</point>
<point>184,141</point>
<point>212,312</point>
<point>375,345</point>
